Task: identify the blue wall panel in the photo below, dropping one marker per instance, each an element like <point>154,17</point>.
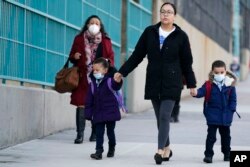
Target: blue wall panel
<point>88,10</point>
<point>74,12</point>
<point>35,29</point>
<point>21,1</point>
<point>70,34</point>
<point>40,5</point>
<point>36,35</point>
<point>53,63</point>
<point>139,17</point>
<point>11,59</point>
<point>146,4</point>
<point>34,64</point>
<point>53,9</point>
<point>115,8</point>
<point>55,36</point>
<point>104,5</point>
<point>12,22</point>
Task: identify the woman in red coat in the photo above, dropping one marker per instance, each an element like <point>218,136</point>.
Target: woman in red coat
<point>92,42</point>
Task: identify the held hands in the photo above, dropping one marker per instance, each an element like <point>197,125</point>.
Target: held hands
<point>193,92</point>
<point>118,77</point>
<point>77,55</point>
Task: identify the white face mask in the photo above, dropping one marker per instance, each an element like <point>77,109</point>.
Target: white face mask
<point>94,29</point>
<point>98,75</point>
<point>219,77</point>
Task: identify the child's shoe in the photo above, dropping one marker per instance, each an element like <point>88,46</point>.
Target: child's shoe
<point>111,152</point>
<point>208,159</point>
<point>97,155</point>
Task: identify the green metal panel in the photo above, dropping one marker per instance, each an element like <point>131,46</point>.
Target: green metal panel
<point>70,34</point>
<point>35,29</point>
<point>104,5</point>
<point>53,64</point>
<point>12,22</point>
<point>36,35</point>
<point>139,17</point>
<point>11,59</point>
<point>40,5</point>
<point>53,8</point>
<point>88,10</point>
<point>93,2</point>
<point>21,1</point>
<point>73,12</point>
<point>115,8</point>
<point>34,64</point>
<point>146,4</point>
<point>55,36</point>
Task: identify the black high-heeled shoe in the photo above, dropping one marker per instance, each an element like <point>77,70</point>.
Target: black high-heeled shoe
<point>167,158</point>
<point>158,159</point>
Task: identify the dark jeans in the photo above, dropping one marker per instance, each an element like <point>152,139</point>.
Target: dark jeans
<point>100,129</point>
<point>211,139</point>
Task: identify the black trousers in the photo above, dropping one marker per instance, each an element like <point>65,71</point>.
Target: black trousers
<point>100,129</point>
<point>211,139</point>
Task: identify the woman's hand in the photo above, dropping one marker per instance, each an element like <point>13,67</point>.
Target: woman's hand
<point>193,92</point>
<point>118,77</point>
<point>77,55</point>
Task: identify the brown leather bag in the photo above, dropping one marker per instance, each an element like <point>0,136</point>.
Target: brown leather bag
<point>67,79</point>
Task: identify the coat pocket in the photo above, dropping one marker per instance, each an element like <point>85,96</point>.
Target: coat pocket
<point>172,77</point>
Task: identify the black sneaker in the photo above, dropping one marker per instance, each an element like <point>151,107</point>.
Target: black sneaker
<point>226,157</point>
<point>97,156</point>
<point>111,152</point>
<point>208,159</point>
<point>79,138</point>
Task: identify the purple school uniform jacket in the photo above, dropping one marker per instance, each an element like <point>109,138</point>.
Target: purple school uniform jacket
<point>101,105</point>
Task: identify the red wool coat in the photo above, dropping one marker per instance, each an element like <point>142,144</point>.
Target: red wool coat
<point>78,95</point>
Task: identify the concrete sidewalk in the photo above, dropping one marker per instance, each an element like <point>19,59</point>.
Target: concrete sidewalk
<point>137,141</point>
<point>136,145</point>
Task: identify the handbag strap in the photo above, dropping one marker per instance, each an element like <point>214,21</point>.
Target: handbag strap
<point>66,65</point>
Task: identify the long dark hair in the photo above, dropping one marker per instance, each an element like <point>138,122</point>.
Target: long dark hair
<point>85,27</point>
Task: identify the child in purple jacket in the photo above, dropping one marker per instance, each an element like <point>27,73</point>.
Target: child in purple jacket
<point>102,106</point>
<point>219,108</point>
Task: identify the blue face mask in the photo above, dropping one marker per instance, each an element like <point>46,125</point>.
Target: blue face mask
<point>98,75</point>
<point>219,77</point>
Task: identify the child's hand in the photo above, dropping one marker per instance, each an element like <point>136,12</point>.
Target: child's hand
<point>193,92</point>
<point>118,80</point>
<point>118,77</point>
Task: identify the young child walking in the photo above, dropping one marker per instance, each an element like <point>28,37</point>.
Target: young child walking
<point>102,106</point>
<point>219,107</point>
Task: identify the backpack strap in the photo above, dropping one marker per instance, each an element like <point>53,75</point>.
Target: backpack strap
<point>92,87</point>
<point>110,86</point>
<point>208,85</point>
<point>118,95</point>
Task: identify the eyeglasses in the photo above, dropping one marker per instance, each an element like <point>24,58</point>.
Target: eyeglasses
<point>163,12</point>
